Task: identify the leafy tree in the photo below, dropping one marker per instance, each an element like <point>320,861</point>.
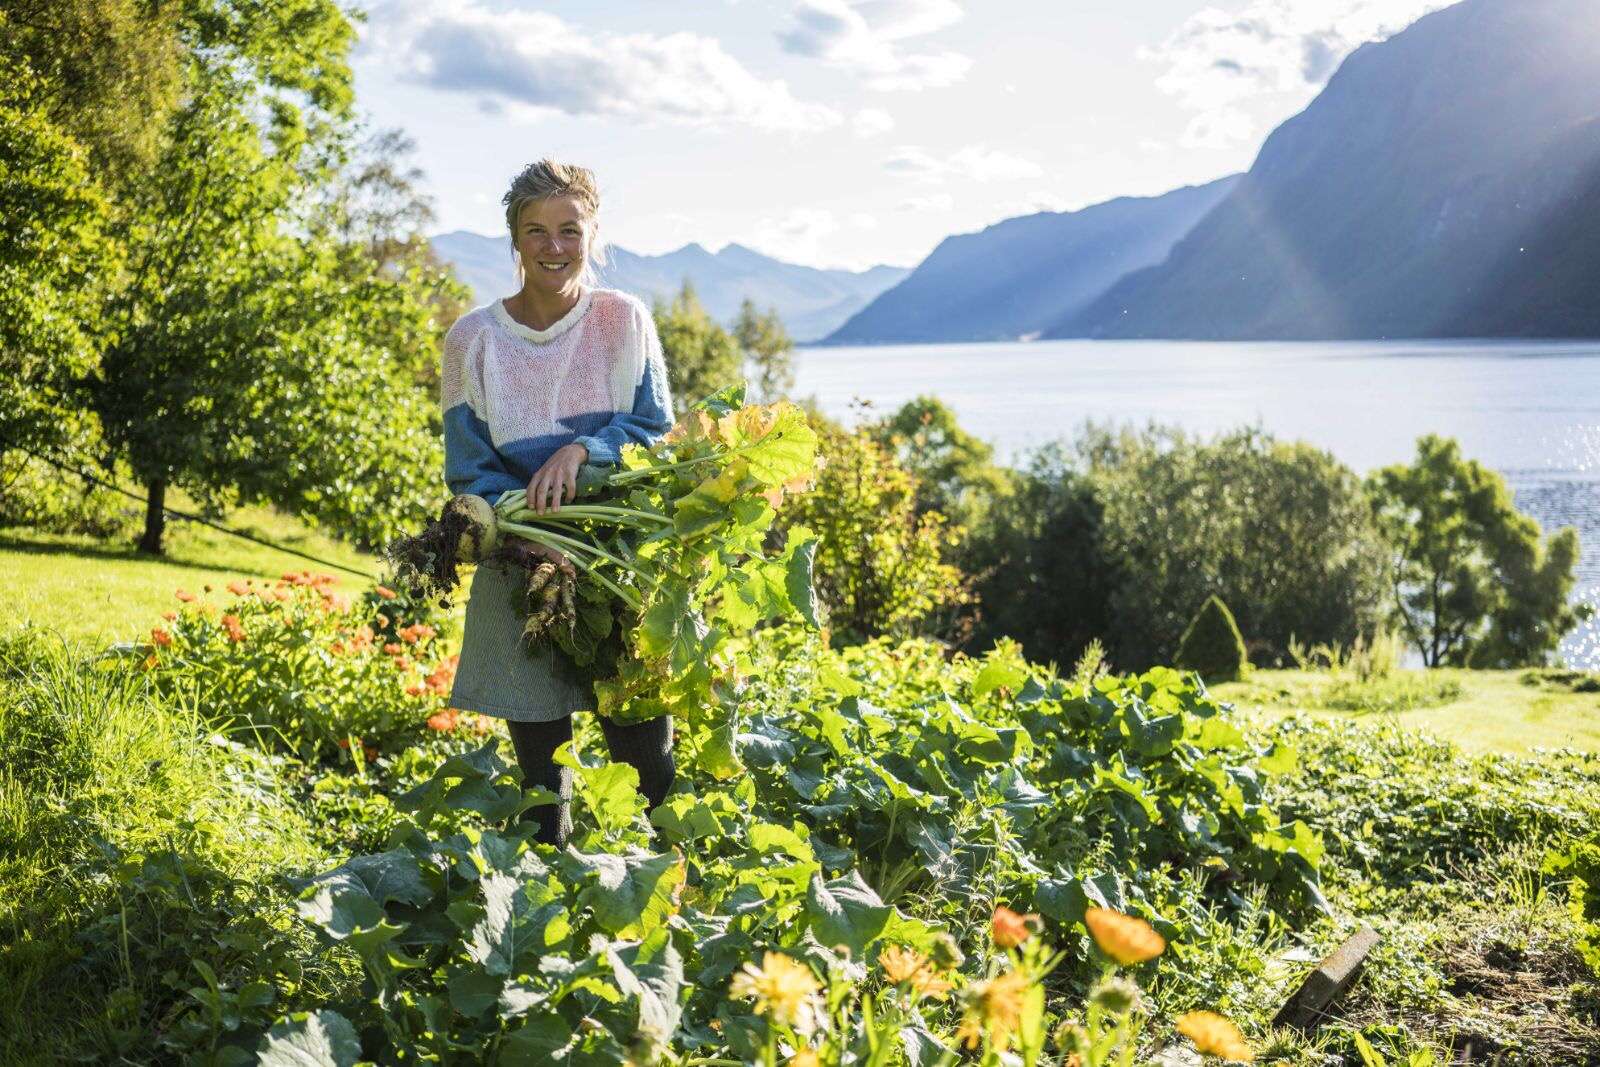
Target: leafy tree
<point>1473,582</point>
<point>250,363</point>
<point>882,568</point>
<point>1037,565</point>
<point>955,472</point>
<point>768,351</point>
<point>1282,532</point>
<point>106,73</point>
<point>54,262</point>
<point>1212,645</point>
<point>374,214</point>
<point>701,356</point>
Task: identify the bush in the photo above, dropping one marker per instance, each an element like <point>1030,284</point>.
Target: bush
<point>1581,863</point>
<point>1212,645</point>
<point>882,569</point>
<point>1037,566</point>
<point>1282,532</point>
<point>296,666</point>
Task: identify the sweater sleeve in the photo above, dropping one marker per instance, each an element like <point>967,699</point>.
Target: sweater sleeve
<point>650,416</point>
<point>471,463</point>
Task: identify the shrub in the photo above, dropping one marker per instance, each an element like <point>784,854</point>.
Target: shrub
<point>1212,645</point>
<point>882,569</point>
<point>296,666</point>
<point>1581,863</point>
<point>1280,531</point>
<point>37,496</point>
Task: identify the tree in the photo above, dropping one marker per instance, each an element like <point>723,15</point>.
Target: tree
<point>1282,532</point>
<point>1036,561</point>
<point>955,472</point>
<point>701,356</point>
<point>768,351</point>
<point>54,267</point>
<point>250,362</point>
<point>1473,581</point>
<point>881,568</point>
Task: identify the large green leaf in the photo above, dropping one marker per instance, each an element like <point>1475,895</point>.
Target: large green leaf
<point>311,1039</point>
<point>845,911</point>
<point>632,895</point>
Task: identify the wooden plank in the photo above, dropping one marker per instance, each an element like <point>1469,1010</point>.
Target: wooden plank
<point>1327,983</point>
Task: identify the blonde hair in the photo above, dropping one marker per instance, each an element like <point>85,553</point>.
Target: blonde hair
<point>548,178</point>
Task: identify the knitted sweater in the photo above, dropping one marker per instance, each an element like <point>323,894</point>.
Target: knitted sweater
<point>513,395</point>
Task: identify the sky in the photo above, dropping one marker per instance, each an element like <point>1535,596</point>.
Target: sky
<point>843,133</point>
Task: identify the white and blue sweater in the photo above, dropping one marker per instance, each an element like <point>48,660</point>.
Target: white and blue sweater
<point>513,395</point>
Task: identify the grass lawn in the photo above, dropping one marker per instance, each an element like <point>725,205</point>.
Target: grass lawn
<point>98,591</point>
<point>1482,711</point>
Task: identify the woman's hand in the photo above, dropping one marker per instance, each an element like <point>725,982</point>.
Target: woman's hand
<point>557,481</point>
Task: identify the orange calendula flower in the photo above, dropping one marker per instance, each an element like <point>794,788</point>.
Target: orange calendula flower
<point>1215,1036</point>
<point>1010,929</point>
<point>402,663</point>
<point>234,627</point>
<point>160,638</point>
<point>384,592</point>
<point>444,720</point>
<point>152,661</point>
<point>393,648</point>
<point>415,690</point>
<point>185,596</point>
<point>238,588</point>
<point>170,616</point>
<point>993,1011</point>
<point>1124,938</point>
<point>903,966</point>
<point>783,990</point>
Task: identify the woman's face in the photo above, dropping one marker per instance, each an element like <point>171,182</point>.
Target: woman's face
<point>552,240</point>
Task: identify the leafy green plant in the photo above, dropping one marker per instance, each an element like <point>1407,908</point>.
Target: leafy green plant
<point>298,667</point>
<point>1212,645</point>
<point>1580,863</point>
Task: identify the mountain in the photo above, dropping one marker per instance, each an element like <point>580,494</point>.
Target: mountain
<point>1022,276</point>
<point>812,302</point>
<point>1444,183</point>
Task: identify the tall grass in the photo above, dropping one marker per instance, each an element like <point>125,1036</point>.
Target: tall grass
<point>135,840</point>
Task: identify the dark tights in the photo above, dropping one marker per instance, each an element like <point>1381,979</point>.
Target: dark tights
<point>645,746</point>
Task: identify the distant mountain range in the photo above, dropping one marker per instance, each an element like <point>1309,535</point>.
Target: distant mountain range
<point>1445,183</point>
<point>811,302</point>
<point>1023,276</point>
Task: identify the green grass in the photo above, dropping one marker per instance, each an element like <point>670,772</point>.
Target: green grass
<point>95,591</point>
<point>1482,711</point>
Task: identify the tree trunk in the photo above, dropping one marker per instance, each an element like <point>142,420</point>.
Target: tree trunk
<point>155,517</point>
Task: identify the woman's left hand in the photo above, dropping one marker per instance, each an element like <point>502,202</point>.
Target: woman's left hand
<point>557,481</point>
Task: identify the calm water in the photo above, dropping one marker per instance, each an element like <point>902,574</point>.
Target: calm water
<point>1529,409</point>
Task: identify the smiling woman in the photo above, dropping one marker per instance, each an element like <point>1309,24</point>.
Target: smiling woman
<point>533,386</point>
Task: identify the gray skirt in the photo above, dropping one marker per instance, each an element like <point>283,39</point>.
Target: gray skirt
<point>497,676</point>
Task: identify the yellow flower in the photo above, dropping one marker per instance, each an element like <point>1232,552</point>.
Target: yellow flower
<point>781,987</point>
<point>1010,929</point>
<point>1215,1036</point>
<point>903,965</point>
<point>805,1058</point>
<point>993,1010</point>
<point>1122,937</point>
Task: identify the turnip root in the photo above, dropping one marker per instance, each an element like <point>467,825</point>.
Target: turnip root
<point>466,532</point>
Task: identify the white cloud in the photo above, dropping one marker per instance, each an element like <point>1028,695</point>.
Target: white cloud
<point>865,36</point>
<point>872,122</point>
<point>1217,62</point>
<point>974,161</point>
<point>798,237</point>
<point>534,63</point>
<point>936,202</point>
<point>1032,205</point>
<point>860,220</point>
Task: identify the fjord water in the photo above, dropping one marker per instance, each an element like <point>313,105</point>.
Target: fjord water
<point>1529,409</point>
